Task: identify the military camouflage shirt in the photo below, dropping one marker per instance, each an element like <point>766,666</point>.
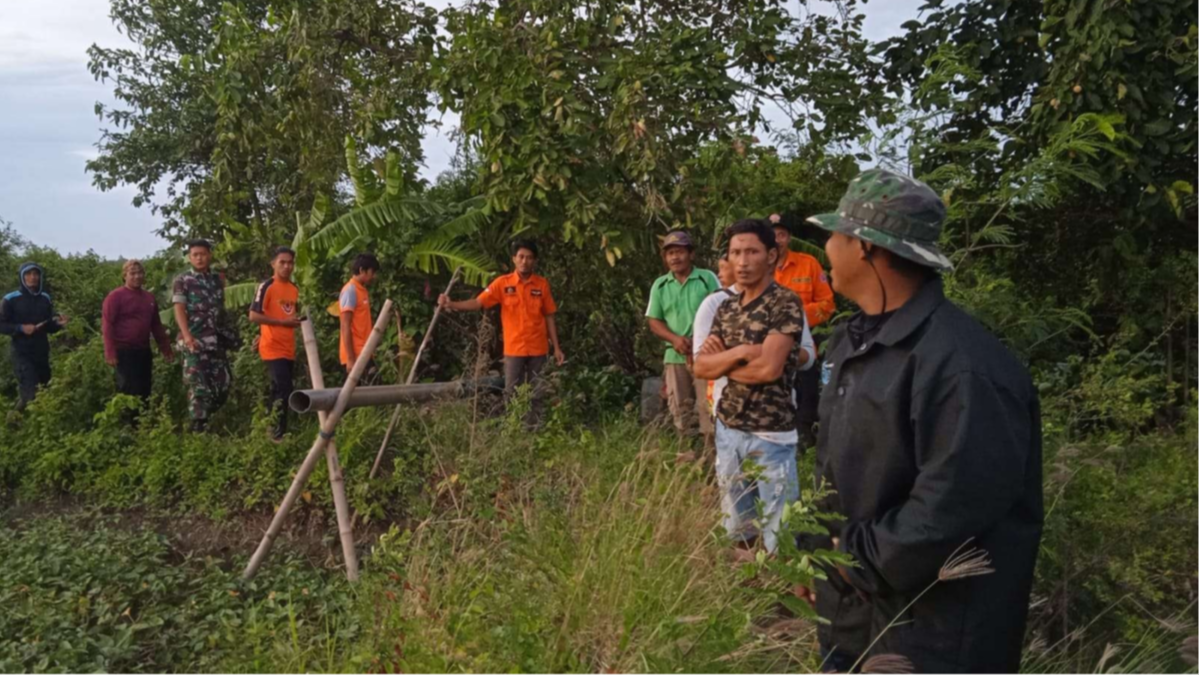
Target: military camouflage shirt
<point>202,294</point>
<point>768,406</point>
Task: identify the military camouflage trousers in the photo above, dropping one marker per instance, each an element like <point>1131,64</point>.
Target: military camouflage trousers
<point>207,376</point>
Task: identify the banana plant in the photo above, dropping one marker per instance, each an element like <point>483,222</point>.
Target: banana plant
<point>382,204</point>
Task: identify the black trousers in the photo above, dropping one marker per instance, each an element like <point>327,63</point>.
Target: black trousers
<point>807,396</point>
<point>31,370</point>
<point>807,386</point>
<point>135,372</point>
<point>280,371</point>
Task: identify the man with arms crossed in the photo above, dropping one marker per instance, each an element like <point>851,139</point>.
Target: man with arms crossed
<point>755,342</point>
<point>706,316</point>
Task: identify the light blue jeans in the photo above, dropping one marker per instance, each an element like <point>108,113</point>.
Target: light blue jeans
<point>776,483</point>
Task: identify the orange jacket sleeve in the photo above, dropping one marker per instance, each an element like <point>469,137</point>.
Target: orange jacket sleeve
<point>822,306</point>
<point>549,307</point>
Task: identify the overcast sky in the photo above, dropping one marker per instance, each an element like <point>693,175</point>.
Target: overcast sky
<point>48,127</point>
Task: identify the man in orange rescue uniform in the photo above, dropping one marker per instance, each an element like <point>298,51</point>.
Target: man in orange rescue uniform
<point>803,274</point>
<point>355,308</point>
<point>275,310</point>
<point>527,315</point>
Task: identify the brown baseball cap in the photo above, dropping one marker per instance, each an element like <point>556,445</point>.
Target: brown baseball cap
<point>677,238</point>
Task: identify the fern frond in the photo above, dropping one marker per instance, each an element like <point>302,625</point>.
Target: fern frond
<point>996,233</point>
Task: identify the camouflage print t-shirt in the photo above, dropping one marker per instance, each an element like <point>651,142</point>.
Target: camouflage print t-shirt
<point>202,294</point>
<point>760,407</point>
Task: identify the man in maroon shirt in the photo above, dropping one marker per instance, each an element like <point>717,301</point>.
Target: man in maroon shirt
<point>130,315</point>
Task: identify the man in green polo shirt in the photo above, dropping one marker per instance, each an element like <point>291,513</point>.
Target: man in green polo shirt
<point>673,301</point>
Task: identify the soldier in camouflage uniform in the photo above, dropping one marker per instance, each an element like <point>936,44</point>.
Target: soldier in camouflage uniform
<point>204,334</point>
<point>756,342</point>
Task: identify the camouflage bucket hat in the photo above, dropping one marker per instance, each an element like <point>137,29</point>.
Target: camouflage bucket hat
<point>898,213</point>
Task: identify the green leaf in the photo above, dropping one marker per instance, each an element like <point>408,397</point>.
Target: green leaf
<point>371,220</point>
<point>431,257</point>
<point>395,174</point>
<point>366,188</point>
<point>320,210</point>
<point>240,295</point>
<point>801,608</point>
<point>1157,127</point>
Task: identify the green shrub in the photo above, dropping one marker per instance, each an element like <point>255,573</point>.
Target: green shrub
<point>85,594</point>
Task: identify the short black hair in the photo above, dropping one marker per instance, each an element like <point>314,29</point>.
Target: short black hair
<point>202,243</point>
<point>908,268</point>
<point>364,261</point>
<point>526,244</point>
<point>281,250</point>
<point>762,228</point>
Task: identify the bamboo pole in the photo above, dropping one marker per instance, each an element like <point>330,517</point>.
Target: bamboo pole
<point>395,415</point>
<point>314,400</point>
<point>432,322</point>
<point>345,528</point>
<point>321,442</point>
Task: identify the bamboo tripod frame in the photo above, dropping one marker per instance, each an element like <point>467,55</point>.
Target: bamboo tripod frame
<point>345,528</point>
<point>321,445</point>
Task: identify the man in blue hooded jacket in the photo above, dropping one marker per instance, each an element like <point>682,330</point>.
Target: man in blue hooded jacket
<point>28,316</point>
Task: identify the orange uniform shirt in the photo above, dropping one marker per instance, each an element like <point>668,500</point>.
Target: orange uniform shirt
<point>803,274</point>
<point>355,299</point>
<point>524,304</point>
<point>277,299</point>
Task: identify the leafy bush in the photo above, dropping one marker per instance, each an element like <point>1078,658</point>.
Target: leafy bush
<point>87,594</point>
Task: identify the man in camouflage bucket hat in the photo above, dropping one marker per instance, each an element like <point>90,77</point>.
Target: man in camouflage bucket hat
<point>896,212</point>
<point>930,435</point>
<point>204,334</point>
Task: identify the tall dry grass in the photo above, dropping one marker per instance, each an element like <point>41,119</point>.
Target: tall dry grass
<point>570,550</point>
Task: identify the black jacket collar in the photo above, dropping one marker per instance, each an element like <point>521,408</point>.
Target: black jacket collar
<point>909,317</point>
